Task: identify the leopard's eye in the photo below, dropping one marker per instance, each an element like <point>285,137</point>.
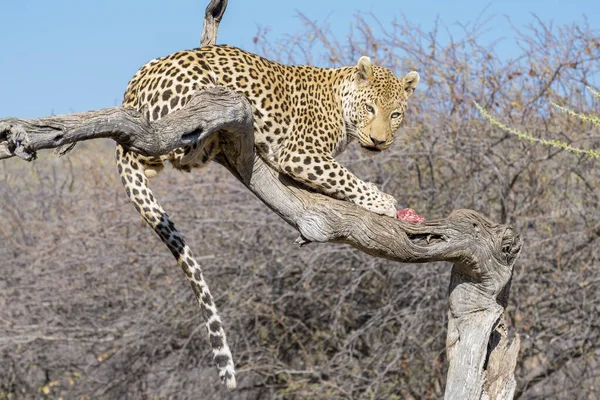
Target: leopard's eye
<point>396,115</point>
<point>369,109</point>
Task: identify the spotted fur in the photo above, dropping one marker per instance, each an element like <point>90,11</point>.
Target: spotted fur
<point>303,117</point>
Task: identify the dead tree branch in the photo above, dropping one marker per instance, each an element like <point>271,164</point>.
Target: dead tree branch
<point>209,110</point>
<point>212,18</point>
<point>481,354</point>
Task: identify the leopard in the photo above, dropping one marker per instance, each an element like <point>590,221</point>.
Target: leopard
<point>303,117</point>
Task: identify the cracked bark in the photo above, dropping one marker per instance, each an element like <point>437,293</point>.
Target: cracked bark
<point>482,353</point>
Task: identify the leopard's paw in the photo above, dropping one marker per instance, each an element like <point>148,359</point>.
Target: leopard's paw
<point>382,203</point>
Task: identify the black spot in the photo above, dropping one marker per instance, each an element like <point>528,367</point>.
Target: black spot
<point>215,326</point>
<point>206,299</point>
<point>222,361</point>
<point>186,268</point>
<point>198,275</point>
<point>164,111</point>
<point>196,289</point>
<point>216,342</point>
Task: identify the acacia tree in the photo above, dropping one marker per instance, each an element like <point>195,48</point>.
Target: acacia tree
<point>481,352</point>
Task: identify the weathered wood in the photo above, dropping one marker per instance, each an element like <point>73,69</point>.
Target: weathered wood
<point>500,382</point>
<point>482,355</point>
<point>212,18</point>
<point>209,110</point>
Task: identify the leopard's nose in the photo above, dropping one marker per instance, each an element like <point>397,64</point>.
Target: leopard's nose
<point>376,142</point>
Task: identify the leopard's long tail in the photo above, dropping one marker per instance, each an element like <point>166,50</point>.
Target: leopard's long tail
<point>131,169</point>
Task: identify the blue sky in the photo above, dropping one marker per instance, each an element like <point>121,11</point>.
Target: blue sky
<point>64,56</point>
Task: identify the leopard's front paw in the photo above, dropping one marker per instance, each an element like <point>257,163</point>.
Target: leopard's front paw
<point>381,203</point>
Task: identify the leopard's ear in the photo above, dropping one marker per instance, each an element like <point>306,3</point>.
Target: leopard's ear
<point>365,69</point>
<point>411,80</point>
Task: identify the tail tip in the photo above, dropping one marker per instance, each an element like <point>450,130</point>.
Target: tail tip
<point>229,380</point>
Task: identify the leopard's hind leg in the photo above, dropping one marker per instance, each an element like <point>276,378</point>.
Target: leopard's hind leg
<point>133,171</point>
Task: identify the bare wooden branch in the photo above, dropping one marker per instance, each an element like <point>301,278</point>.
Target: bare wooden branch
<point>482,355</point>
<point>209,110</point>
<point>212,18</point>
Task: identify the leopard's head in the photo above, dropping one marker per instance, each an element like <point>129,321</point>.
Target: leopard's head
<point>378,102</point>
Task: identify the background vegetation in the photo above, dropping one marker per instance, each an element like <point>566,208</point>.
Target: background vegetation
<point>93,306</point>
